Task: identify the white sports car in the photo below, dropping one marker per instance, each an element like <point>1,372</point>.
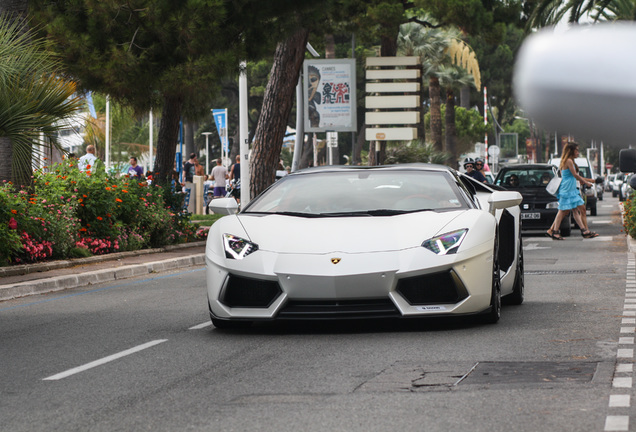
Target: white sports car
<point>342,242</point>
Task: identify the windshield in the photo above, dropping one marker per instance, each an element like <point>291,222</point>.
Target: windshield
<point>524,177</point>
<point>360,192</point>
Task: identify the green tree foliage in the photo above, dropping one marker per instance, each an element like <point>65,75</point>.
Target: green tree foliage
<point>147,53</point>
<point>34,100</point>
<point>551,12</point>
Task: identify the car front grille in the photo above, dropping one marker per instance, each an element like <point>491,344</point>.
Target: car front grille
<point>432,289</point>
<point>340,309</point>
<point>249,293</point>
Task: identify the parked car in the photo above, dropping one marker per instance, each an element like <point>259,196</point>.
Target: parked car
<point>346,242</point>
<point>589,194</point>
<point>626,188</point>
<point>617,185</point>
<point>609,180</point>
<point>538,208</point>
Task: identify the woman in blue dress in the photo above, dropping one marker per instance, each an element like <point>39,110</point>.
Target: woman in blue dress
<point>569,196</point>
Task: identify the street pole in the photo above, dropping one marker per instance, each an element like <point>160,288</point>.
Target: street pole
<point>244,136</point>
<point>486,124</point>
<point>207,152</point>
<point>150,131</point>
<point>107,133</point>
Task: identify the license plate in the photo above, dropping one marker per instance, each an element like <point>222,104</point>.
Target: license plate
<point>530,215</point>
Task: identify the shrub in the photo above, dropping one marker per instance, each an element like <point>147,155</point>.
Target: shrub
<point>629,216</point>
<point>71,213</point>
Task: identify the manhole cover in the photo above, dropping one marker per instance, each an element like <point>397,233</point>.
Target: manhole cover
<point>530,372</point>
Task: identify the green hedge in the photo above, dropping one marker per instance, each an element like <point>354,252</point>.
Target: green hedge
<point>68,213</point>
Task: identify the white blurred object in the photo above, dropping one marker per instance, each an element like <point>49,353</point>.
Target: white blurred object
<point>581,81</point>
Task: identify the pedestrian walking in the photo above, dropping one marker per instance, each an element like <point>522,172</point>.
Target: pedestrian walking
<point>569,196</point>
<point>219,173</point>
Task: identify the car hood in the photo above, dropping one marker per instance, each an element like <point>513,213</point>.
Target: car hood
<point>288,234</point>
<point>533,193</point>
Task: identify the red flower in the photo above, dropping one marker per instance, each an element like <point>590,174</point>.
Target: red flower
<point>13,224</point>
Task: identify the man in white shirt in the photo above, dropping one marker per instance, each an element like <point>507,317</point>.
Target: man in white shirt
<point>88,160</point>
<point>219,173</point>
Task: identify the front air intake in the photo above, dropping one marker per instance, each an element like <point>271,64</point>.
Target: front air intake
<point>432,289</point>
<point>249,293</point>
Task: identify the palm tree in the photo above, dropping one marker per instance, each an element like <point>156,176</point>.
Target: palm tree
<point>443,54</point>
<point>551,12</point>
<point>34,101</point>
<point>462,70</point>
<point>430,44</point>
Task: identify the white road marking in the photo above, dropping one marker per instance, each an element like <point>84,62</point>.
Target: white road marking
<point>617,423</point>
<point>619,401</point>
<point>625,368</point>
<point>600,238</point>
<point>622,382</point>
<point>625,353</point>
<point>628,329</point>
<point>533,246</point>
<point>209,323</point>
<point>601,222</point>
<point>103,360</point>
<point>626,340</point>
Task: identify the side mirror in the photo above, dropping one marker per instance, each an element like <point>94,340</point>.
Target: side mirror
<point>502,200</point>
<point>632,182</point>
<point>224,206</point>
<point>627,160</point>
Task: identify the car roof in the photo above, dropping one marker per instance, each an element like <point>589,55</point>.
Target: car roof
<point>396,167</point>
<point>527,166</point>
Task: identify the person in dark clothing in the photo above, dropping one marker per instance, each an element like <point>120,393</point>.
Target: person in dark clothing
<point>235,178</point>
<point>189,168</point>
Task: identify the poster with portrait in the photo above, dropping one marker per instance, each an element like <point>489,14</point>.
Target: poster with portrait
<point>330,95</point>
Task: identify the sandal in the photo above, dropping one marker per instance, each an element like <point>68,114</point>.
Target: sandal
<point>589,234</point>
<point>554,235</point>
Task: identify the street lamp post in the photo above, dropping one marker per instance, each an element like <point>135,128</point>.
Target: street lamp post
<point>207,152</point>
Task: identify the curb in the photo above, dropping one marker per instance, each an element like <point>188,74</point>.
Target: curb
<point>23,269</point>
<point>22,289</point>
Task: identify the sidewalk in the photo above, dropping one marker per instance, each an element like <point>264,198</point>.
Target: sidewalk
<point>29,279</point>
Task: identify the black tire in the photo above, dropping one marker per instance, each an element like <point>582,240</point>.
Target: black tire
<point>518,289</point>
<point>227,324</point>
<point>566,227</point>
<point>593,211</point>
<point>493,315</point>
<point>614,193</point>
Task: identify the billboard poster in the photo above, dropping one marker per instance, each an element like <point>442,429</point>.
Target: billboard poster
<point>330,95</point>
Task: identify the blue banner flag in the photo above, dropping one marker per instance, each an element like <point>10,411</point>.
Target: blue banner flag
<point>220,118</point>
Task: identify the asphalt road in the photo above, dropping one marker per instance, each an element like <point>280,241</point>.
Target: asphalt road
<point>141,355</point>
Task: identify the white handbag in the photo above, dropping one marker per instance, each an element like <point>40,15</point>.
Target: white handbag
<point>553,186</point>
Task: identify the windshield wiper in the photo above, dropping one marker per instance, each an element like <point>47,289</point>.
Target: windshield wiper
<point>298,214</point>
<point>378,212</point>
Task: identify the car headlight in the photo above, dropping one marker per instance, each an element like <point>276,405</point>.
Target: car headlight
<point>446,244</point>
<point>236,247</point>
<point>552,205</point>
